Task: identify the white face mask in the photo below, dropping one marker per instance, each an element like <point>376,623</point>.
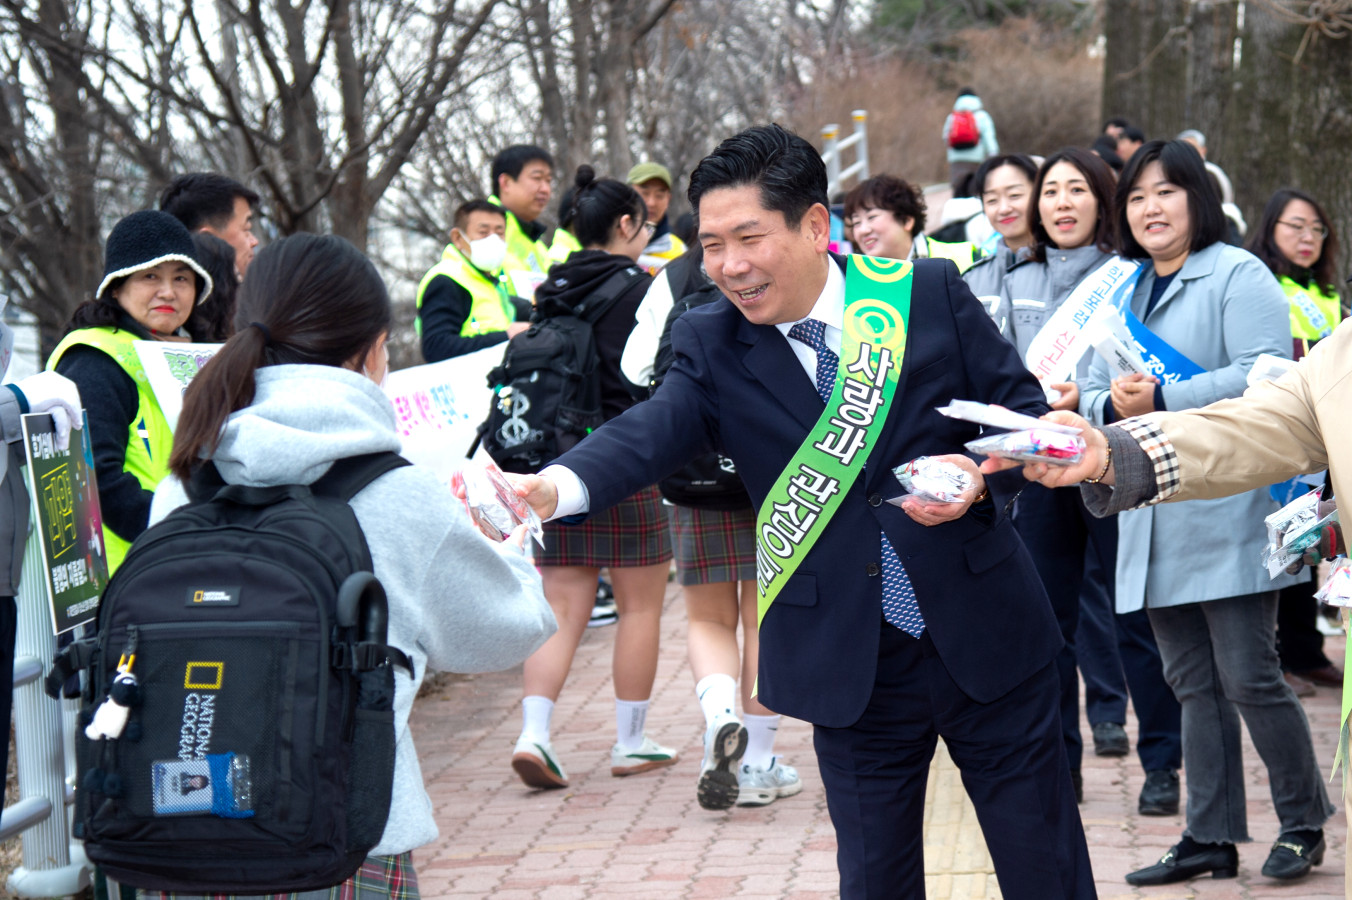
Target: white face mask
<point>488,252</point>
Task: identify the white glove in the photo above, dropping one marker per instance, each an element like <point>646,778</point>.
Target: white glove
<point>48,392</point>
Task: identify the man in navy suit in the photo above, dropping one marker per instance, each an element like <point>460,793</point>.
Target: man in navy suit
<point>972,659</point>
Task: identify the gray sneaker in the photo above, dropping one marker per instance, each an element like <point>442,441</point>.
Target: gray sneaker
<point>758,787</point>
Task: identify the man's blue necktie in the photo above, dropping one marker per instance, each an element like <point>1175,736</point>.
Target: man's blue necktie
<point>899,606</point>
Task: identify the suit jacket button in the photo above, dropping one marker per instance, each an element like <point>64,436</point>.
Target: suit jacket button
<point>875,500</point>
<point>873,569</point>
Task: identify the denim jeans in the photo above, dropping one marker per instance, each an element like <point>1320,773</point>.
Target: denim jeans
<point>1220,658</point>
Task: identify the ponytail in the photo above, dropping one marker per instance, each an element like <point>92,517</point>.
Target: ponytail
<point>308,299</point>
<point>598,206</point>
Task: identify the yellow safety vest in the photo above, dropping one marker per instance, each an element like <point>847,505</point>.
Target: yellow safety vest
<point>564,246</point>
<point>489,310</point>
<point>523,253</point>
<point>149,437</point>
<point>1314,313</point>
<point>963,253</point>
<point>676,249</point>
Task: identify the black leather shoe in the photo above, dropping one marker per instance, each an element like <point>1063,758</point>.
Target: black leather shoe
<point>1110,739</point>
<point>1077,782</point>
<point>1294,854</point>
<point>1159,797</point>
<point>1188,859</point>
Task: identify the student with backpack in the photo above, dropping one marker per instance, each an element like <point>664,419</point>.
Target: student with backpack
<point>293,399</point>
<point>969,135</point>
<point>713,534</point>
<point>631,539</point>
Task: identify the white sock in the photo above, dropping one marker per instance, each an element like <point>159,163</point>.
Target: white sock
<point>760,741</point>
<point>536,712</point>
<point>630,717</point>
<point>717,694</point>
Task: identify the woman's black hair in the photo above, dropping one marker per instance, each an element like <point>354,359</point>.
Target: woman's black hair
<point>213,320</point>
<point>899,197</point>
<point>1263,244</point>
<point>318,300</point>
<point>103,312</point>
<point>1100,180</point>
<point>1183,167</point>
<point>567,209</point>
<point>1020,161</point>
<point>598,206</point>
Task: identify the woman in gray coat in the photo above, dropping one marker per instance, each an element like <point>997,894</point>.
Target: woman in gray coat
<point>1210,310</point>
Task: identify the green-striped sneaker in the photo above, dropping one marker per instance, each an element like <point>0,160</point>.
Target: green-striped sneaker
<point>537,765</point>
<point>649,755</point>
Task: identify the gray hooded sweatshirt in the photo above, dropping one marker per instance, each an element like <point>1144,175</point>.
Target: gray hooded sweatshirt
<point>458,602</point>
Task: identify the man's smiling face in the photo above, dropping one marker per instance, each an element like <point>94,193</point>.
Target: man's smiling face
<point>772,271</point>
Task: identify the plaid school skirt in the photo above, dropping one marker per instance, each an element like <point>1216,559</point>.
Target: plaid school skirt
<point>379,878</point>
<point>632,533</point>
<point>713,546</point>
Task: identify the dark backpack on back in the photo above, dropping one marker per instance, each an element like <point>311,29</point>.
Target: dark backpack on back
<point>258,752</point>
<point>709,481</point>
<point>963,133</point>
<point>547,391</point>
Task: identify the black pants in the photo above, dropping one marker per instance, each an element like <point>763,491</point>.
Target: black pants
<point>1300,643</point>
<point>1013,765</point>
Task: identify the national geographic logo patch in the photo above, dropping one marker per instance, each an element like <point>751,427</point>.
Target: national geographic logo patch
<point>213,596</point>
<point>204,676</point>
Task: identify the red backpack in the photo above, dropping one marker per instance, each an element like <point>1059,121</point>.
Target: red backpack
<point>963,133</point>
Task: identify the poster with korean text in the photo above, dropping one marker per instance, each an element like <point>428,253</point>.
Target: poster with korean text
<point>67,519</point>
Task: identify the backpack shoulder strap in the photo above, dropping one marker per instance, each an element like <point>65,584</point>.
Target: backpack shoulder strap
<point>346,477</point>
<point>611,290</point>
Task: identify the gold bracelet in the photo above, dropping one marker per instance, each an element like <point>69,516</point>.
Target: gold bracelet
<point>1107,464</point>
<point>985,492</point>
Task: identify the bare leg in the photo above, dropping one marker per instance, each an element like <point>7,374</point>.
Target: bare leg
<point>712,634</point>
<point>750,651</point>
<point>571,592</point>
<point>638,599</point>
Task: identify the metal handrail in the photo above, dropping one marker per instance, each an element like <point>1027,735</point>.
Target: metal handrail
<point>832,147</point>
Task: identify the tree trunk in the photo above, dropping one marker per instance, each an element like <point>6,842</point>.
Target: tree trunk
<point>1145,71</point>
<point>1295,118</point>
<point>1212,30</point>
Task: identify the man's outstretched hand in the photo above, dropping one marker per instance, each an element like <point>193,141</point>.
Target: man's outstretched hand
<point>539,493</point>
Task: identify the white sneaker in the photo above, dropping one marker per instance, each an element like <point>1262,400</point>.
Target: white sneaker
<point>537,764</point>
<point>650,755</point>
<point>724,744</point>
<point>757,787</point>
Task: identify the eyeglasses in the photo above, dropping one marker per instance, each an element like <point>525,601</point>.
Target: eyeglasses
<point>1316,231</point>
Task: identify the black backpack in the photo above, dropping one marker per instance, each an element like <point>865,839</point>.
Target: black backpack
<point>258,751</point>
<point>709,481</point>
<point>547,391</point>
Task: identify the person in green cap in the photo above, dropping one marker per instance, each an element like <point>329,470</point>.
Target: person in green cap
<point>653,183</point>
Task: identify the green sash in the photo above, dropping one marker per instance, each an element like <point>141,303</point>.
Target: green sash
<point>814,483</point>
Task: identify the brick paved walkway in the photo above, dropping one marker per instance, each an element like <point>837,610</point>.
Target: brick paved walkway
<point>645,836</point>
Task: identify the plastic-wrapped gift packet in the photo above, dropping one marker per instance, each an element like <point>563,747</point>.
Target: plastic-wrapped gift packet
<point>1292,530</point>
<point>1337,591</point>
<point>934,480</point>
<point>1032,445</point>
<point>494,505</point>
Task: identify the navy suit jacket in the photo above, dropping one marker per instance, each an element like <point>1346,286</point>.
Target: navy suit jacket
<point>738,388</point>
